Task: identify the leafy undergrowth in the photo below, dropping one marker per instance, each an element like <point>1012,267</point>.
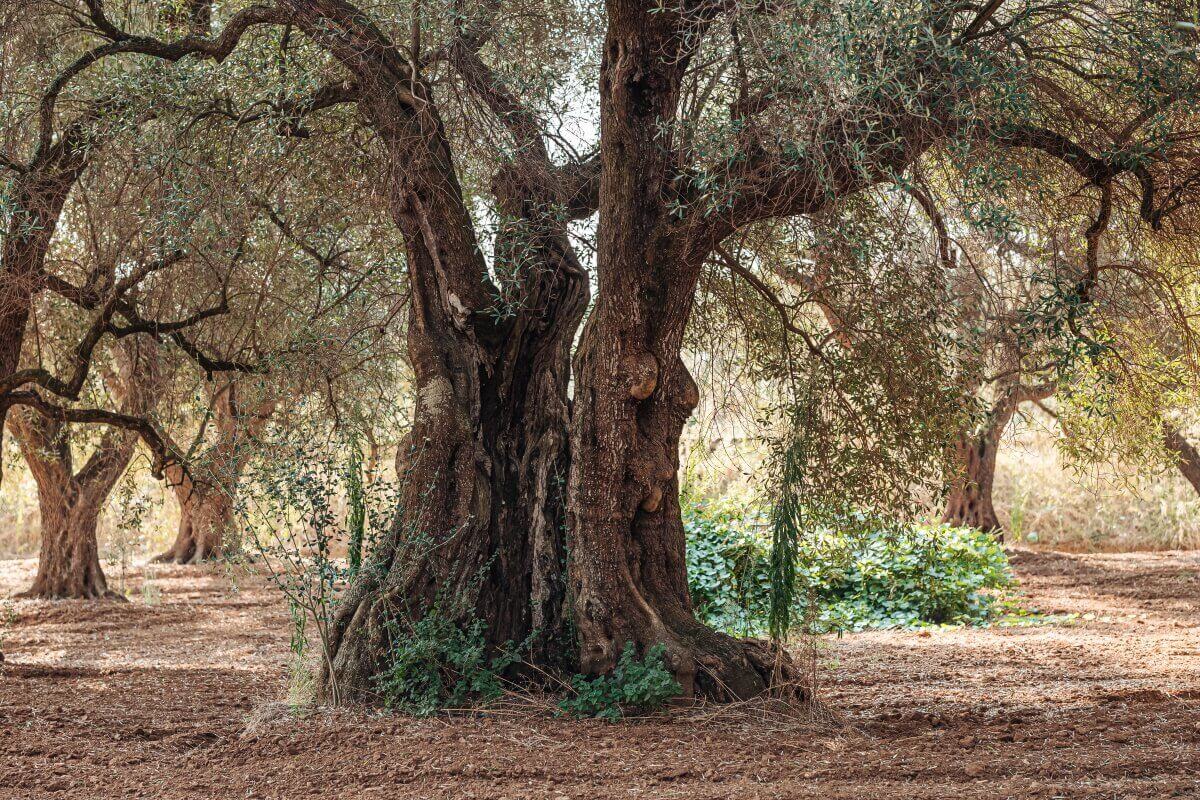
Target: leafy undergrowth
<point>634,685</point>
<point>868,575</point>
<point>436,665</point>
<point>865,575</point>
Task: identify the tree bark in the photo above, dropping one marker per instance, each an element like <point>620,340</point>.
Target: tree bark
<point>206,490</point>
<point>205,516</point>
<point>479,530</point>
<point>969,502</point>
<point>69,561</point>
<point>38,201</point>
<point>70,502</point>
<point>634,393</point>
<point>1187,457</point>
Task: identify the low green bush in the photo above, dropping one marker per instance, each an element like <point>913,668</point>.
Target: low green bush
<point>728,569</point>
<point>635,684</point>
<point>867,574</point>
<point>435,664</point>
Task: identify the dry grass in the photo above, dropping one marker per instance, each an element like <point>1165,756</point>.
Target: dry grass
<point>1045,503</point>
<point>125,534</point>
<point>18,508</point>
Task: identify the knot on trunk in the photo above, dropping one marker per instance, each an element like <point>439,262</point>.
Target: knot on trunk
<point>688,395</point>
<point>642,373</point>
<point>650,470</point>
<point>653,500</point>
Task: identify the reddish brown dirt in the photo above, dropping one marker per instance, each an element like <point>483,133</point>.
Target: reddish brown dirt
<point>151,699</point>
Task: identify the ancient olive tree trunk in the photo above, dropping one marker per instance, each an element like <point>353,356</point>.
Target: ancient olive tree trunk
<point>525,420</point>
<point>70,502</point>
<point>37,200</point>
<point>206,509</point>
<point>1188,459</point>
<point>634,393</point>
<point>206,489</point>
<point>69,561</point>
<point>478,530</point>
<point>969,502</point>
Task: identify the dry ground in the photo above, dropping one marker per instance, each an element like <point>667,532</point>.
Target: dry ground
<point>151,699</point>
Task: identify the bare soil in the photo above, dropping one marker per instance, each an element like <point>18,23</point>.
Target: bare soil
<point>170,696</point>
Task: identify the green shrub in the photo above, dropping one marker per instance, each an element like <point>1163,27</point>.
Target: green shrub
<point>728,570</point>
<point>905,576</point>
<point>436,664</point>
<point>641,685</point>
<point>867,574</point>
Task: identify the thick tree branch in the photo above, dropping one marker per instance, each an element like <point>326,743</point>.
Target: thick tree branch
<point>216,47</point>
<point>976,24</point>
<point>945,253</point>
<point>136,323</point>
<point>162,453</point>
<point>10,163</point>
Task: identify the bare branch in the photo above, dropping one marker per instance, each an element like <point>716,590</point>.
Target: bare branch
<point>981,19</point>
<point>136,323</point>
<point>70,388</point>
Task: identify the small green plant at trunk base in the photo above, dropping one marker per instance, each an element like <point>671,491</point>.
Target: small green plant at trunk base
<point>641,685</point>
<point>437,665</point>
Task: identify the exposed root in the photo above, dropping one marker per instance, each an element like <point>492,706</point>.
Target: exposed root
<point>731,670</point>
<point>188,555</point>
<point>42,593</point>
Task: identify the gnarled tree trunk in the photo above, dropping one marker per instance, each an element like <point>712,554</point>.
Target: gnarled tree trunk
<point>969,502</point>
<point>205,517</point>
<point>628,545</point>
<point>70,502</point>
<point>69,560</point>
<point>634,393</point>
<point>38,199</point>
<point>479,530</point>
<point>206,489</point>
<point>484,478</point>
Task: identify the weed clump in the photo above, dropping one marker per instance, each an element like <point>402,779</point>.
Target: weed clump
<point>435,664</point>
<point>634,685</point>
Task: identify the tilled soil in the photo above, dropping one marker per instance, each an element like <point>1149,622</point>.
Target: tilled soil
<point>176,695</point>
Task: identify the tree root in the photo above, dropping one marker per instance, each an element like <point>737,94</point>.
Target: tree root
<point>36,593</point>
<point>728,669</point>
